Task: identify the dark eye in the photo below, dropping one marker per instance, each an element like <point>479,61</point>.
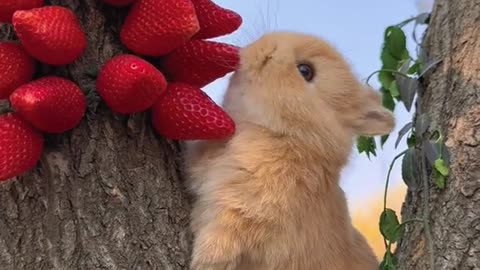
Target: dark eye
<point>306,71</point>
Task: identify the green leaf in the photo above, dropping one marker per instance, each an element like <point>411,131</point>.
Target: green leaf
<point>367,145</point>
<point>388,60</point>
<point>393,89</point>
<point>388,225</point>
<point>440,181</point>
<point>396,42</point>
<point>412,140</point>
<point>389,262</point>
<point>415,68</point>
<point>408,88</point>
<point>404,130</point>
<point>384,139</point>
<point>441,167</point>
<point>432,152</point>
<point>404,66</point>
<point>386,78</point>
<point>387,100</point>
<point>410,169</point>
<point>405,55</point>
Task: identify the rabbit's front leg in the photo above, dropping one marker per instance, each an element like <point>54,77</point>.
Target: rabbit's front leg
<point>215,247</point>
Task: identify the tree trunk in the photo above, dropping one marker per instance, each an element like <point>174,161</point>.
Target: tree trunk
<point>452,101</point>
<point>106,195</point>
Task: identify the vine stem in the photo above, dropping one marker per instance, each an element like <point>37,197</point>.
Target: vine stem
<point>426,223</point>
<point>388,177</point>
<point>405,22</point>
<point>386,186</point>
<point>408,221</point>
<point>385,70</point>
<point>412,220</point>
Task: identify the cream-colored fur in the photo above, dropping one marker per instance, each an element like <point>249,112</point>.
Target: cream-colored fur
<point>269,197</point>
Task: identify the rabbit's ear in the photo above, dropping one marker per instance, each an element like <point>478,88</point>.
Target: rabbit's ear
<point>374,119</point>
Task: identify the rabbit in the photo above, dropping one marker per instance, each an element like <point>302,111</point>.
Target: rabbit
<point>268,197</point>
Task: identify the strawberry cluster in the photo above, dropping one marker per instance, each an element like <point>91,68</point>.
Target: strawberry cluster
<point>173,33</point>
<point>49,104</point>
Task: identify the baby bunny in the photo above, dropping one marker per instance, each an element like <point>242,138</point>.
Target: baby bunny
<point>269,198</point>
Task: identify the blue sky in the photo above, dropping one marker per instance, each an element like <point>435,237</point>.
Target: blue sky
<point>356,29</point>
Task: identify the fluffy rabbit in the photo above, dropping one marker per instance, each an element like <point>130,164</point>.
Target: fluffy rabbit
<point>269,197</point>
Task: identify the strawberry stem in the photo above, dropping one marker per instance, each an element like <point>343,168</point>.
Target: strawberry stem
<point>5,107</point>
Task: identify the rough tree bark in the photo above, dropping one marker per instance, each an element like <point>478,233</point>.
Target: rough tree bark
<point>106,195</point>
<point>452,100</point>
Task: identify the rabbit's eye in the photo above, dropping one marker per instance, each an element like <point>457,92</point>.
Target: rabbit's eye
<point>306,71</point>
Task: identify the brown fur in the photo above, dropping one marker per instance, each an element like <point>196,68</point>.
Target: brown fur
<point>269,197</point>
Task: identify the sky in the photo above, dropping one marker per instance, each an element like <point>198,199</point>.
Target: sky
<point>356,29</point>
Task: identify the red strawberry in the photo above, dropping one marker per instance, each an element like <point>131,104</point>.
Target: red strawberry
<point>20,146</point>
<point>185,112</point>
<point>156,27</point>
<point>200,62</point>
<point>8,7</point>
<point>129,84</point>
<point>16,68</point>
<point>214,20</point>
<point>119,3</point>
<point>51,34</point>
<point>51,104</point>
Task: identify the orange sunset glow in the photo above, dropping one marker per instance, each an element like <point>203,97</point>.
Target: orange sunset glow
<point>366,217</point>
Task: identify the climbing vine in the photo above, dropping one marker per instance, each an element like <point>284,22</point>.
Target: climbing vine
<point>401,77</point>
